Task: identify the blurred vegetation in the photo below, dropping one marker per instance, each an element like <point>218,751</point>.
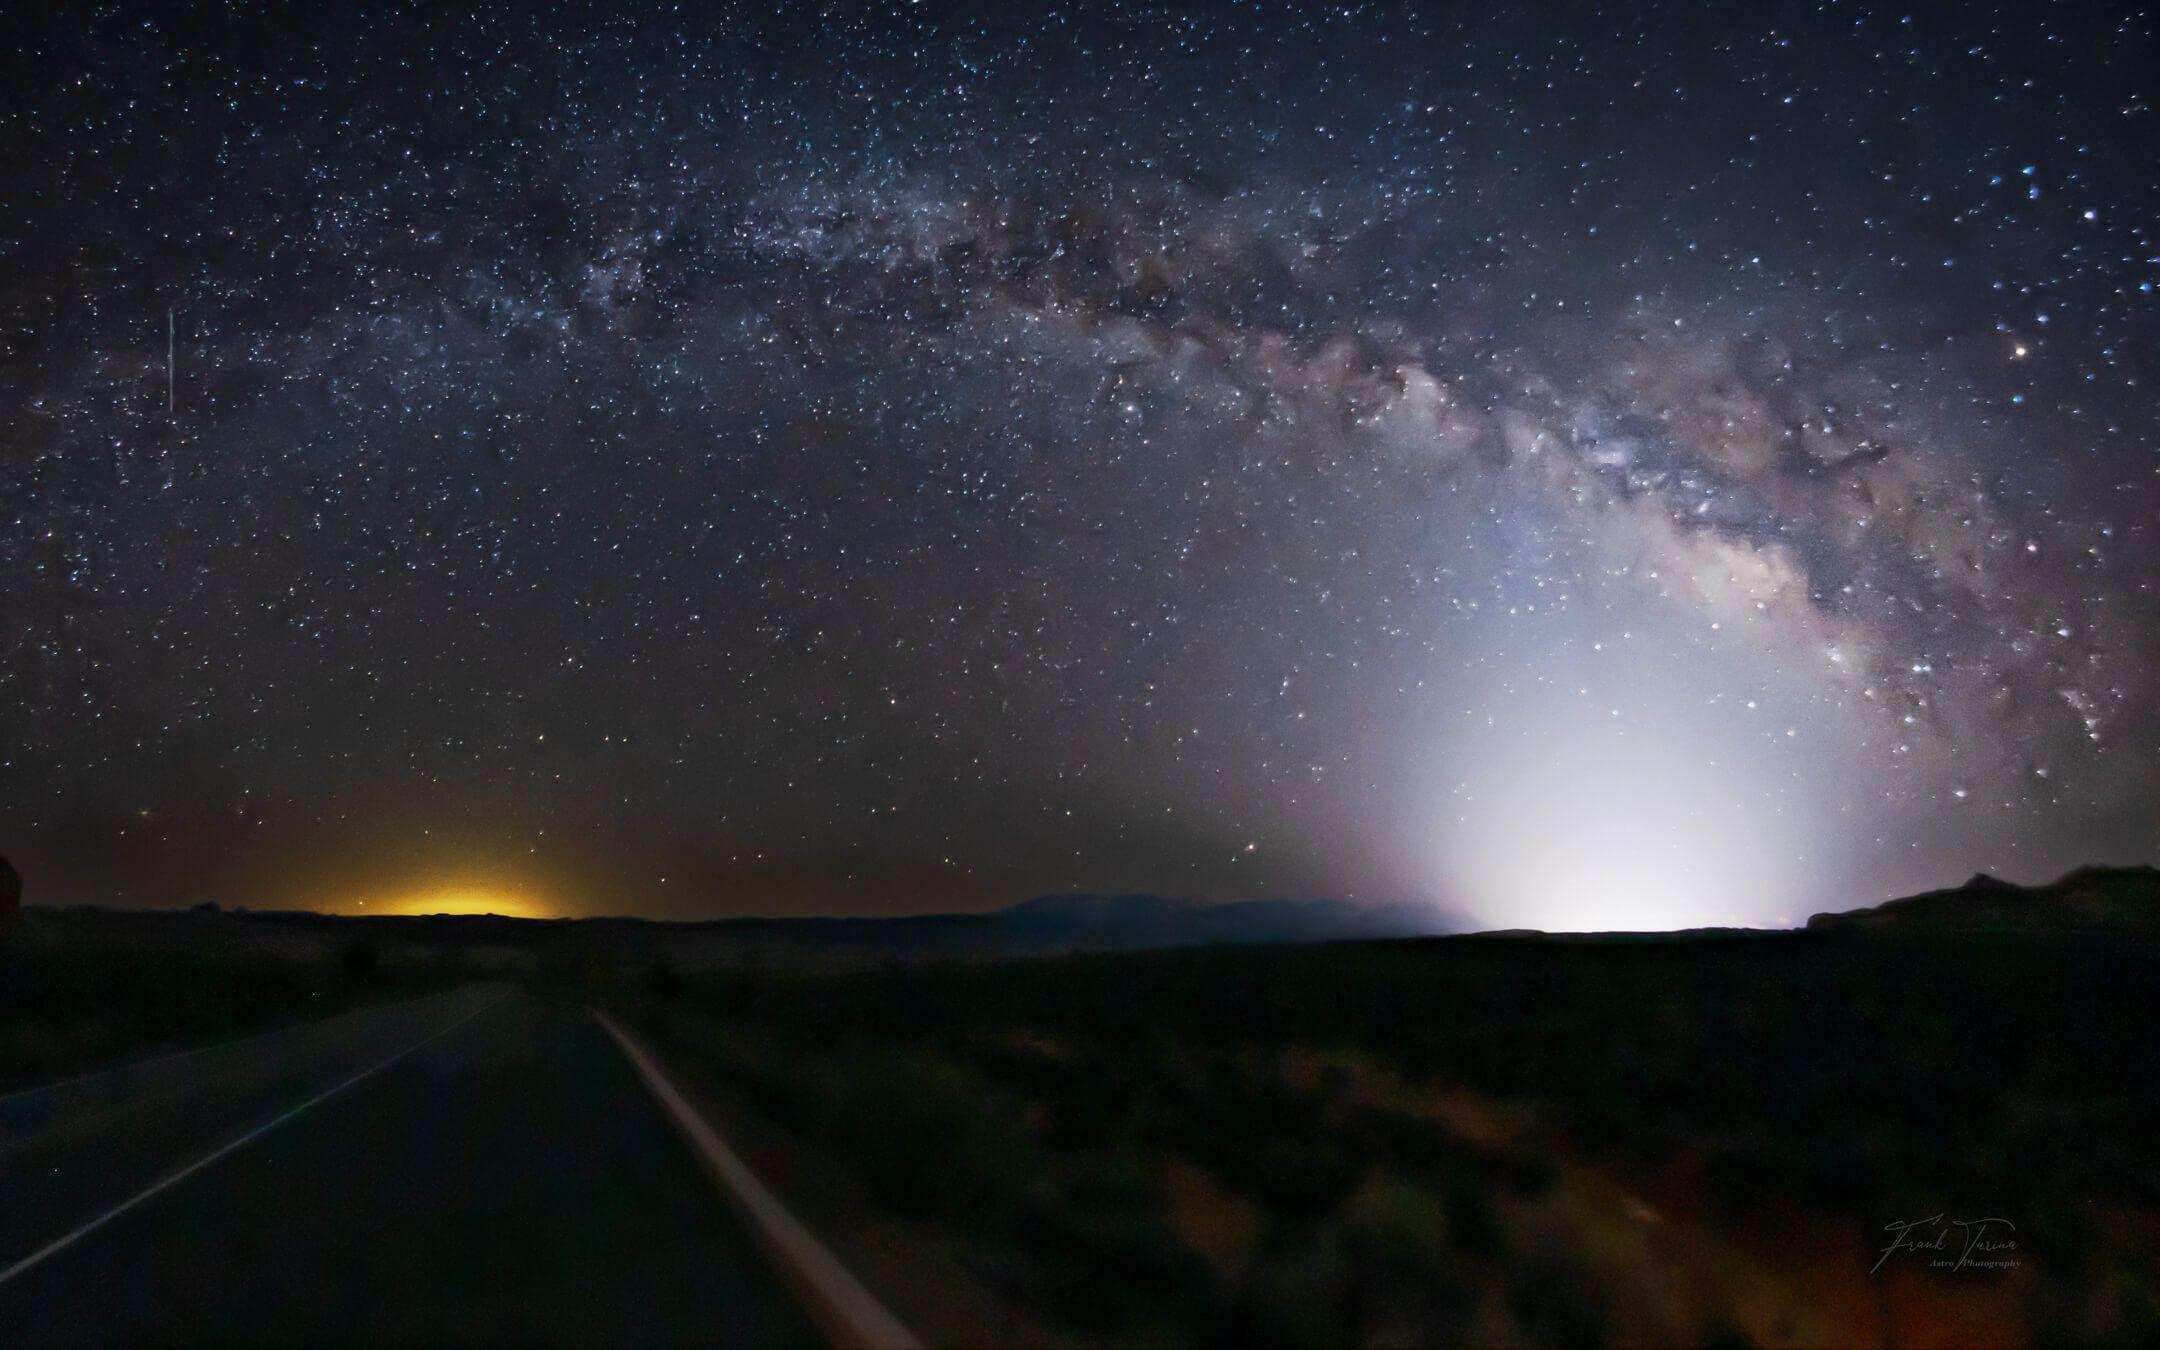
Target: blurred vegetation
<point>79,1005</point>
<point>1239,1145</point>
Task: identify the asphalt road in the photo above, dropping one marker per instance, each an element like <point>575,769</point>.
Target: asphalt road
<point>486,1169</point>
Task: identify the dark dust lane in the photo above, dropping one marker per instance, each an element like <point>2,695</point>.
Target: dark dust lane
<point>509,1182</point>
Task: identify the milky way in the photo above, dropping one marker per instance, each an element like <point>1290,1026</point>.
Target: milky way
<point>1584,468</point>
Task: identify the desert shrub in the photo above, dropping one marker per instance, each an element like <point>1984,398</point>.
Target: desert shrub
<point>661,981</point>
<point>1293,1300</point>
<point>1397,1230</point>
<point>1471,1221</point>
<point>359,960</point>
<point>1555,1305</point>
<point>931,1137</point>
<point>1404,1278</point>
<point>1118,1266</point>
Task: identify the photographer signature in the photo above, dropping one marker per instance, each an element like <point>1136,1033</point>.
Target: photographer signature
<point>1953,1244</point>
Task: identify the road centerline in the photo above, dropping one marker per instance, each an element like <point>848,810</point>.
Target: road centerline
<point>69,1239</point>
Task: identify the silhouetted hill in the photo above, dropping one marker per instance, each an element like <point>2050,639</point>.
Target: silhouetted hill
<point>2087,900</point>
<point>1045,925</point>
<point>1132,921</point>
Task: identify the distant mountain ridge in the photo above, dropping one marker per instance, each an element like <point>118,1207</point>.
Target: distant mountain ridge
<point>2117,900</point>
<point>1122,921</point>
<point>1046,925</point>
<point>2090,899</point>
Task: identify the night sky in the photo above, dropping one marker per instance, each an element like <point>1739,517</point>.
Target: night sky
<point>1579,466</point>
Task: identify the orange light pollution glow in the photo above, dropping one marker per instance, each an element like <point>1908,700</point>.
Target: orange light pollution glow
<point>454,898</point>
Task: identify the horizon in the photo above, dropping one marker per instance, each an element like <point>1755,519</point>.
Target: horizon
<point>1444,923</point>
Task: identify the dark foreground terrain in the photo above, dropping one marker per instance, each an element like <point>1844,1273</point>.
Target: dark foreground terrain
<point>484,1170</point>
<point>1935,1124</point>
<point>1568,1141</point>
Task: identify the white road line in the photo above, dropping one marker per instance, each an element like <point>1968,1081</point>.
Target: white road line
<point>62,1243</point>
<point>848,1314</point>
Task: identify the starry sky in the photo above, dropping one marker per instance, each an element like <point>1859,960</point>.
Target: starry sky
<point>1573,465</point>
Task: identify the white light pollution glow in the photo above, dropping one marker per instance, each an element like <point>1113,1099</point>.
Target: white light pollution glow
<point>1586,821</point>
<point>463,896</point>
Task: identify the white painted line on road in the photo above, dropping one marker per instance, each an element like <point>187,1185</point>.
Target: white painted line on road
<point>62,1243</point>
<point>850,1316</point>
